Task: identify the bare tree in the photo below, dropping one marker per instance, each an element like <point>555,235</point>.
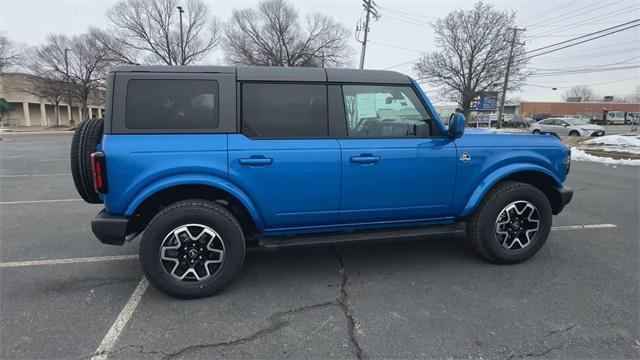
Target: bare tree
<point>273,34</point>
<point>473,54</point>
<point>10,53</point>
<point>579,93</point>
<point>84,69</point>
<point>148,31</point>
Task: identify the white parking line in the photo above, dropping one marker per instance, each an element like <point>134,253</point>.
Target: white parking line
<point>581,227</point>
<point>45,160</point>
<point>37,201</point>
<point>9,264</point>
<point>109,340</point>
<point>33,175</point>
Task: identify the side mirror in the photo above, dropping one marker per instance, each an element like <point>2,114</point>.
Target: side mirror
<point>456,125</point>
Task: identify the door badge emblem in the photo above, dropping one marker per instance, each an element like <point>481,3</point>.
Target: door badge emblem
<point>465,157</point>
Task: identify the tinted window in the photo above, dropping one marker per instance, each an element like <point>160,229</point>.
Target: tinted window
<point>385,111</point>
<point>172,104</point>
<point>284,110</point>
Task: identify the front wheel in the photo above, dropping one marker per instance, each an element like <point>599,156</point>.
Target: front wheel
<point>574,133</point>
<point>536,131</point>
<point>192,249</point>
<point>511,224</point>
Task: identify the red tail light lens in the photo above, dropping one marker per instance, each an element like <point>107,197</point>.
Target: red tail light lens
<point>99,170</point>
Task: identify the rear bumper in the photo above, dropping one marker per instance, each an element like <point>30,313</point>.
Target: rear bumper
<point>566,194</point>
<point>110,229</point>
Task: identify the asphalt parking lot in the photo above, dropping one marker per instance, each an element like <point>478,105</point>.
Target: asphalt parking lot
<point>578,298</point>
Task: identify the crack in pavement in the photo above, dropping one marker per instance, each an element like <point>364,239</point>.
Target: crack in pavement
<point>536,354</point>
<point>276,322</point>
<point>562,330</point>
<point>546,349</point>
<point>342,303</point>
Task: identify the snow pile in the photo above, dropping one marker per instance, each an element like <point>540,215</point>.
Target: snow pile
<point>503,130</point>
<point>615,140</point>
<point>580,155</point>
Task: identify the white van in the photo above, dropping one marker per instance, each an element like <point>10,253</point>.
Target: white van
<point>615,117</point>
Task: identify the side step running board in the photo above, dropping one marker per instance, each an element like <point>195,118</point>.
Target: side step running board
<point>353,237</point>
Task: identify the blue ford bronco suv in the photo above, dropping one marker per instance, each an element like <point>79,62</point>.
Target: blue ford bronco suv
<point>206,162</point>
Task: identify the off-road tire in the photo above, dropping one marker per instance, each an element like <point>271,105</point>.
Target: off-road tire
<point>185,212</point>
<point>481,226</point>
<point>85,139</point>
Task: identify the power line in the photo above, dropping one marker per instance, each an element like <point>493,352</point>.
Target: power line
<point>582,23</point>
<point>542,14</point>
<point>578,43</point>
<point>574,13</point>
<point>588,67</point>
<point>586,71</point>
<point>395,46</point>
<point>405,13</point>
<point>592,84</point>
<point>583,36</point>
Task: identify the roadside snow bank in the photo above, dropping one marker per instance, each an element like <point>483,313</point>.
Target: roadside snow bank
<point>615,140</point>
<point>580,155</point>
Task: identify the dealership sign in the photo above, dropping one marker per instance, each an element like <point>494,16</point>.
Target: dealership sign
<point>485,101</point>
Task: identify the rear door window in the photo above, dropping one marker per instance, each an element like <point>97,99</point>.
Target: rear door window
<point>289,111</point>
<point>172,104</point>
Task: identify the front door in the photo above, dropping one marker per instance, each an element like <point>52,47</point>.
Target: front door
<point>395,166</point>
<point>284,159</point>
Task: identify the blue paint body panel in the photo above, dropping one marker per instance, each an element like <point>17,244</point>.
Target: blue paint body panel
<point>316,185</point>
<point>299,187</point>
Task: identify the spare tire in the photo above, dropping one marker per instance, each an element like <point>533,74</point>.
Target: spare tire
<point>87,136</point>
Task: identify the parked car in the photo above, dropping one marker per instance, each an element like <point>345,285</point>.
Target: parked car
<point>520,122</point>
<point>566,126</point>
<point>540,116</point>
<point>206,162</point>
<point>632,117</point>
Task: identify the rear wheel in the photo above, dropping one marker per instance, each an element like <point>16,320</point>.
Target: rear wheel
<point>85,139</point>
<point>574,133</point>
<point>192,249</point>
<point>536,131</point>
<point>511,224</point>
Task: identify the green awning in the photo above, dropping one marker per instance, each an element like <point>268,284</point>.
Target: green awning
<point>5,106</point>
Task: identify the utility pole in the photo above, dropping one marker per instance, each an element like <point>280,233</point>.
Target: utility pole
<point>181,38</point>
<point>370,9</point>
<point>506,76</point>
<point>66,79</point>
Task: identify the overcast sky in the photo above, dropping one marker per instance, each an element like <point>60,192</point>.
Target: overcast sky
<point>404,31</point>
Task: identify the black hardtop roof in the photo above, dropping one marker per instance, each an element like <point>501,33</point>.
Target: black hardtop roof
<point>278,73</point>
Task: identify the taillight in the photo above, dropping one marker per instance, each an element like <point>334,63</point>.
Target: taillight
<point>99,170</point>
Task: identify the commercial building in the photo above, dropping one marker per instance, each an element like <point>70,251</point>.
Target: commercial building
<point>592,110</point>
<point>20,106</point>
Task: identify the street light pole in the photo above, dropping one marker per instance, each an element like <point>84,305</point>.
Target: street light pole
<point>181,38</point>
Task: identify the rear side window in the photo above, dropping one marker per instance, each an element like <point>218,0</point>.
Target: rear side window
<point>284,110</point>
<point>172,104</point>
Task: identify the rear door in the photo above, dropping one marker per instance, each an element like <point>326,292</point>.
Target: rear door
<point>395,166</point>
<point>283,158</point>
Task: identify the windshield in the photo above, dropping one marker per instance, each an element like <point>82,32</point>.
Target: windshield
<point>576,121</point>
